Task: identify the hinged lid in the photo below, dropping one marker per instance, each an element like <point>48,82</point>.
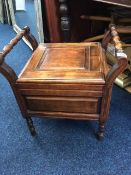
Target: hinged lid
<point>74,62</point>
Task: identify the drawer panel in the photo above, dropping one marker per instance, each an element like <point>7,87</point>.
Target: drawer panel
<point>61,93</point>
<point>59,86</point>
<point>63,104</point>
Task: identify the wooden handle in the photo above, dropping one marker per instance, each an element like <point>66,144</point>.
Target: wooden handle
<point>112,35</point>
<point>5,69</point>
<point>121,64</point>
<point>117,42</point>
<point>24,32</point>
<point>115,38</point>
<point>14,41</point>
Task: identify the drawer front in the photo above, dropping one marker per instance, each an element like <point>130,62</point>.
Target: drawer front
<point>63,104</point>
<point>61,93</point>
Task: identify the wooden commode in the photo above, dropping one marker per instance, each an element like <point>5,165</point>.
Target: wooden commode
<point>65,80</point>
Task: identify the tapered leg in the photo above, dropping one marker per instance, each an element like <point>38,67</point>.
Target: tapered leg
<point>31,126</point>
<point>101,130</point>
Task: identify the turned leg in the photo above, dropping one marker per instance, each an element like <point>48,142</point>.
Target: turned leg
<point>104,112</point>
<point>31,126</point>
<point>101,131</point>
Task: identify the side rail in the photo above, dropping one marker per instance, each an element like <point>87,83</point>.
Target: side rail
<point>5,69</point>
<point>120,66</point>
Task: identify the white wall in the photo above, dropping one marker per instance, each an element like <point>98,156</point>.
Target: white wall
<point>20,4</point>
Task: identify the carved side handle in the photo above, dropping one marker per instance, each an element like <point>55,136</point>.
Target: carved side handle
<point>5,69</point>
<point>24,33</point>
<point>121,64</point>
<point>117,42</point>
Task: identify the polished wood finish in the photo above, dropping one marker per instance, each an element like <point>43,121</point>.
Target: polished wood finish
<point>66,80</point>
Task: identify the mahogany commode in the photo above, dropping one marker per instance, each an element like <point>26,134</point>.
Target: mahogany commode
<point>65,80</point>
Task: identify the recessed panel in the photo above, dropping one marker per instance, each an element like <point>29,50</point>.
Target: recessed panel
<point>64,58</point>
<point>65,62</point>
<point>63,104</point>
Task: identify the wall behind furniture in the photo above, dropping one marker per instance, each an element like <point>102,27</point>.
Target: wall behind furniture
<point>20,4</point>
